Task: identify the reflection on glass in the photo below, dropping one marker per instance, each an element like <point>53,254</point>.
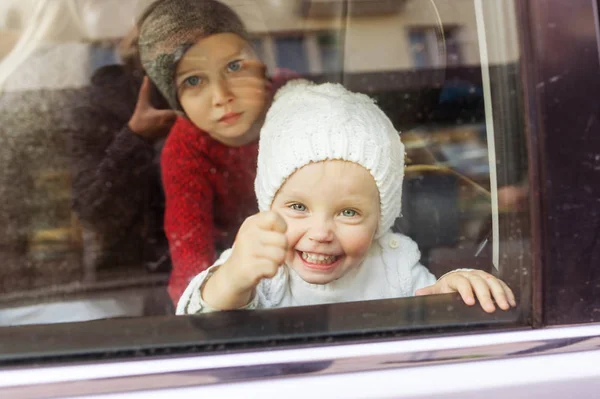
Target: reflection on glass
<point>330,51</point>
<point>425,76</point>
<point>291,54</point>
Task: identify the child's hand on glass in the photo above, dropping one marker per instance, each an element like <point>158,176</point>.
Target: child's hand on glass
<point>259,250</point>
<point>250,81</point>
<point>471,283</point>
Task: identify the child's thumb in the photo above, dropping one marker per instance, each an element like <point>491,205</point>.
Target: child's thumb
<point>143,100</point>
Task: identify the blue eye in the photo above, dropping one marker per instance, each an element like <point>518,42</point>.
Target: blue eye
<point>298,207</point>
<point>192,81</point>
<point>234,66</point>
<point>349,213</point>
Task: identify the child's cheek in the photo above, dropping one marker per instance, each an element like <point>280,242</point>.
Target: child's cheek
<point>358,244</point>
<point>253,96</point>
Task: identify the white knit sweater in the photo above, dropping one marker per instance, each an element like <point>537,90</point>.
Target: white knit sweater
<point>390,270</point>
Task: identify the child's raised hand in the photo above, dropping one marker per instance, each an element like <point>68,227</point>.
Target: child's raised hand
<point>147,121</point>
<point>250,82</point>
<point>466,282</point>
<point>259,249</point>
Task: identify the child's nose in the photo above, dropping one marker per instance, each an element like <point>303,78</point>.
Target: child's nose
<point>321,232</point>
<point>222,94</point>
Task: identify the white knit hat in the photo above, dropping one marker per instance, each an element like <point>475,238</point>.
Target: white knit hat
<point>313,123</point>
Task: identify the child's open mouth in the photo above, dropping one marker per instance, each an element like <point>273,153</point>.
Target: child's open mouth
<point>319,261</point>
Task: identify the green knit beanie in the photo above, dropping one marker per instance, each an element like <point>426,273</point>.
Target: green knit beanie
<point>168,28</point>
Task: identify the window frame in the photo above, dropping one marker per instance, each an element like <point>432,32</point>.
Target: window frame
<point>222,366</point>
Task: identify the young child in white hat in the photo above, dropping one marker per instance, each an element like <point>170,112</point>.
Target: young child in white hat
<point>329,187</point>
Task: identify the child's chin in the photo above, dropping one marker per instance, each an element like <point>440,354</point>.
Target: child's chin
<point>315,278</point>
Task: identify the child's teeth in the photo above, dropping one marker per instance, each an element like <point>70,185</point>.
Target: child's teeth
<point>318,259</point>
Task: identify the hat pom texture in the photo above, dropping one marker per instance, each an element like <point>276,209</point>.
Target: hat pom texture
<point>313,123</point>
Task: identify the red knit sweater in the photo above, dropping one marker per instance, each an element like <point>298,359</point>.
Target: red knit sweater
<point>209,189</point>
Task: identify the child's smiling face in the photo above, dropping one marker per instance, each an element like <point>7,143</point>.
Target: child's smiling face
<point>332,212</point>
<point>221,87</point>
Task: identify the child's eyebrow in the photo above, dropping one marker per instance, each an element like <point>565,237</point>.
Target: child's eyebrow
<point>348,199</point>
<point>356,200</point>
<point>296,194</point>
<point>185,71</point>
<point>242,52</point>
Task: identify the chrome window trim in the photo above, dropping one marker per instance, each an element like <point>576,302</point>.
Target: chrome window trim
<point>565,375</point>
<point>330,360</point>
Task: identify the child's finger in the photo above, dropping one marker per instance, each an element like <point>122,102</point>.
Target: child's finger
<point>255,66</point>
<point>251,96</point>
<point>248,86</point>
<point>166,116</point>
<point>509,293</point>
<point>462,285</point>
<point>274,239</point>
<point>266,268</point>
<point>482,291</point>
<point>280,225</point>
<point>425,291</point>
<point>272,221</point>
<point>275,255</point>
<point>498,292</point>
<point>143,100</point>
